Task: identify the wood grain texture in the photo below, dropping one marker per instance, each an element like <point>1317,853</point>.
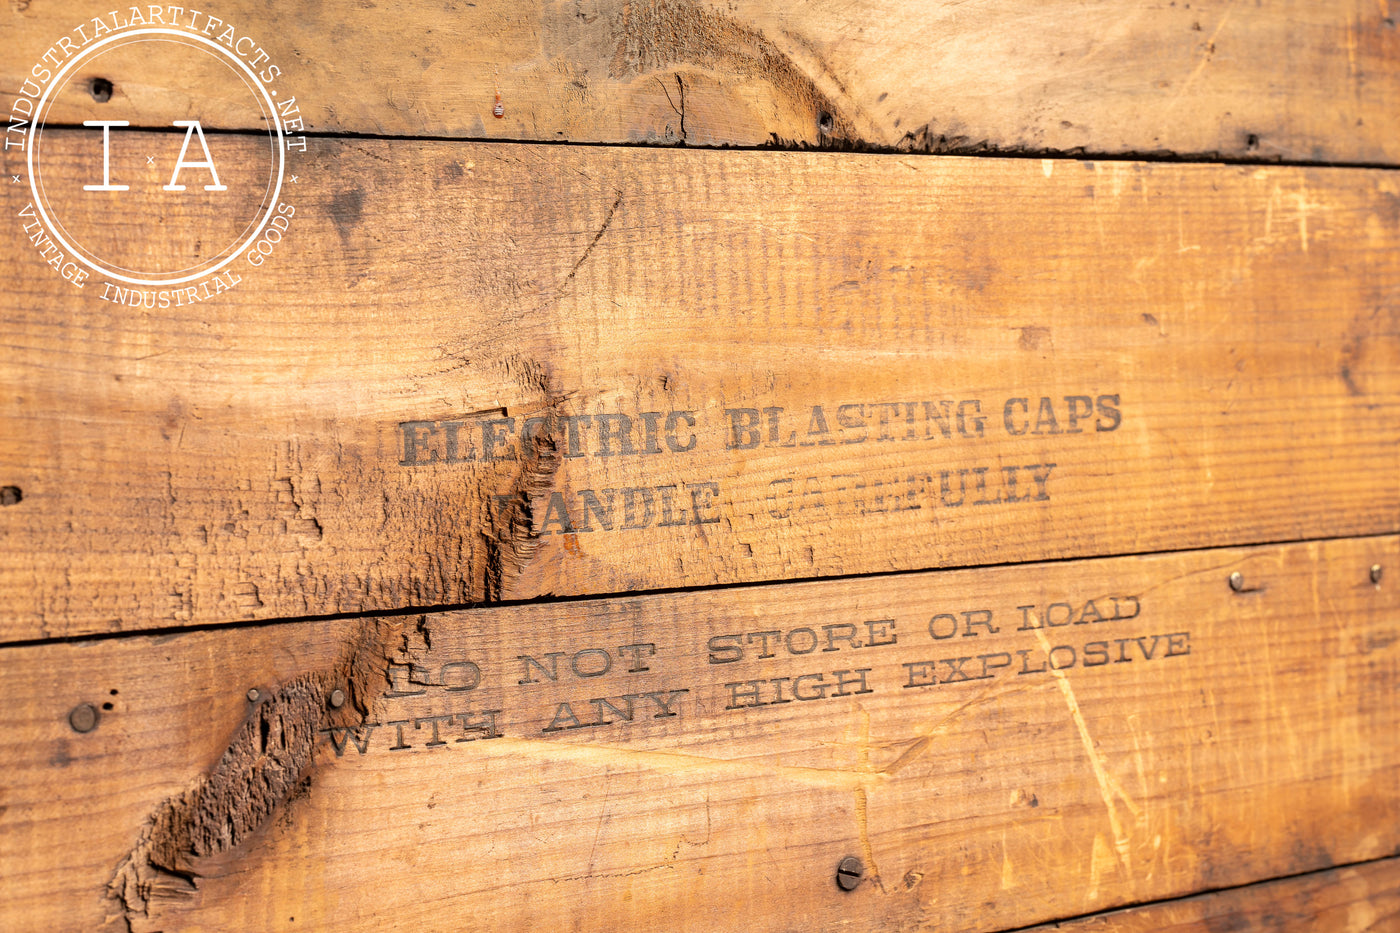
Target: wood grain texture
<point>777,365</point>
<point>1357,899</point>
<point>1139,731</point>
<point>1296,80</point>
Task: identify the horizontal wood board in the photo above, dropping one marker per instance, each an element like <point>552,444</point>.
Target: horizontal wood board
<point>725,367</point>
<point>1296,80</point>
<point>1356,899</point>
<point>319,442</point>
<point>1138,731</point>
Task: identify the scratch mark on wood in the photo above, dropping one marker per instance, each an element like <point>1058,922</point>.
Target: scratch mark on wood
<point>926,733</point>
<point>1209,53</point>
<point>607,222</point>
<point>1105,782</point>
<point>862,802</point>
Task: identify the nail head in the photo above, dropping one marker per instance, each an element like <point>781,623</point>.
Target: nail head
<point>337,698</point>
<point>1375,573</point>
<point>849,873</point>
<point>83,718</point>
<point>254,695</point>
<point>1236,581</point>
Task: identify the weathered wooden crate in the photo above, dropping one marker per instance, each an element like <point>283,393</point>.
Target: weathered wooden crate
<point>678,466</point>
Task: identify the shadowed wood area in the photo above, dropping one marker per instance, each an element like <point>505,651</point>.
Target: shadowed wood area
<point>1295,80</point>
<point>1357,899</point>
<point>474,372</point>
<point>995,748</point>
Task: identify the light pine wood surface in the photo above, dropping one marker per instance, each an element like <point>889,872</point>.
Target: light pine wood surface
<point>1341,900</point>
<point>1298,80</point>
<point>1079,736</point>
<point>477,372</point>
<point>418,547</point>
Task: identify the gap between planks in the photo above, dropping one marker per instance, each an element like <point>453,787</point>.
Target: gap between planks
<point>251,624</point>
<point>1197,895</point>
<point>841,147</point>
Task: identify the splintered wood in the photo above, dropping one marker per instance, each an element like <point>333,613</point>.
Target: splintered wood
<point>415,519</point>
<point>478,373</point>
<point>996,747</point>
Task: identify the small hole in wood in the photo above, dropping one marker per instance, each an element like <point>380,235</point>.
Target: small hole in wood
<point>1251,141</point>
<point>107,707</point>
<point>101,90</point>
<point>824,122</point>
<point>10,495</point>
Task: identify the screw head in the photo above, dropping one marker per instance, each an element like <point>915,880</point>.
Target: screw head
<point>83,718</point>
<point>337,698</point>
<point>1236,581</point>
<point>254,694</point>
<point>849,873</point>
<point>1375,573</point>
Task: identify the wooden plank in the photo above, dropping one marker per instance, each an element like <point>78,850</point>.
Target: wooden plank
<point>704,761</point>
<point>1340,900</point>
<point>728,367</point>
<point>1295,80</point>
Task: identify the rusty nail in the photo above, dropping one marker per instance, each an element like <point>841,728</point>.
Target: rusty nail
<point>83,718</point>
<point>1236,581</point>
<point>337,698</point>
<point>254,695</point>
<point>849,872</point>
<point>1375,573</point>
